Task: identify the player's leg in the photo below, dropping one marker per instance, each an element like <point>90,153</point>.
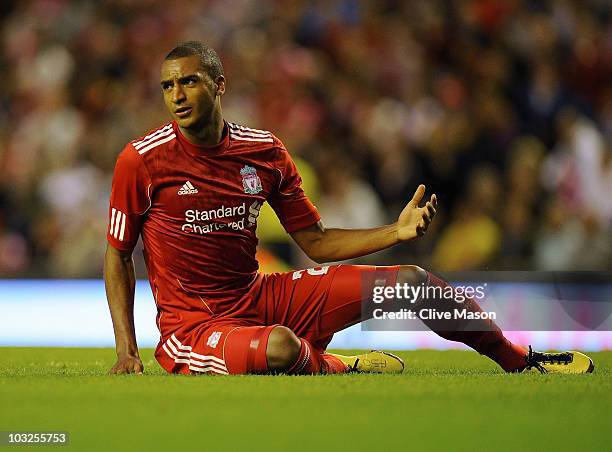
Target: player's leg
<point>484,336</point>
<point>291,354</point>
<point>298,300</point>
<point>242,349</point>
<point>342,309</point>
<point>283,349</point>
<point>317,303</point>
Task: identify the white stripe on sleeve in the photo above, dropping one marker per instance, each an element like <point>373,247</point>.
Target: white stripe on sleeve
<point>117,222</point>
<point>112,221</point>
<point>122,228</point>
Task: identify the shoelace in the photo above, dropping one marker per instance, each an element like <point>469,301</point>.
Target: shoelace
<point>534,359</point>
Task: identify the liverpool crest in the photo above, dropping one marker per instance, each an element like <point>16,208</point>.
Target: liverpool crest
<point>250,180</point>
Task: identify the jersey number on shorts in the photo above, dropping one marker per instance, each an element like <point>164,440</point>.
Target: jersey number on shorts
<point>317,271</point>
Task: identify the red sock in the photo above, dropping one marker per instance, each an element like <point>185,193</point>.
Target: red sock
<point>487,339</point>
<point>310,361</point>
<point>334,365</point>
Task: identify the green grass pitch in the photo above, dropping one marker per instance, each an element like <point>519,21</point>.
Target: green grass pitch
<point>452,400</point>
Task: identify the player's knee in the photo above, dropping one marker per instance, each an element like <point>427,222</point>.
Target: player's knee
<point>411,274</point>
<point>283,348</point>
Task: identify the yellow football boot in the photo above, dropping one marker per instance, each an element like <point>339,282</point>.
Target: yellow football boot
<point>373,362</point>
<point>560,363</point>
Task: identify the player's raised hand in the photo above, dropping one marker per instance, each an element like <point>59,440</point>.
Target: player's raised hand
<point>127,365</point>
<point>414,220</point>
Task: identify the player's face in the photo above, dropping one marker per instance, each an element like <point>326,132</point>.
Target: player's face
<point>189,93</point>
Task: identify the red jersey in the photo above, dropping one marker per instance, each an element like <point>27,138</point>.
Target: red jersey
<point>196,208</point>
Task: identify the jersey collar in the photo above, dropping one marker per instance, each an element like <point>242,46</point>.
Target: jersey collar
<point>198,150</point>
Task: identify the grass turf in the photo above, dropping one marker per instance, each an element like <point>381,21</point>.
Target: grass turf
<point>452,400</point>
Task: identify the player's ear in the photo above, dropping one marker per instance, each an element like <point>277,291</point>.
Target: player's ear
<point>220,82</point>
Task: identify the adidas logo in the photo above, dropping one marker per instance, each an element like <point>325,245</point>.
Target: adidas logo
<point>187,189</point>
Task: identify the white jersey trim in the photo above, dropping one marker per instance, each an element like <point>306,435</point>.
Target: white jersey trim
<point>242,133</point>
<point>154,139</point>
<point>157,143</point>
<point>250,134</point>
<point>260,140</point>
<point>162,134</point>
<point>247,129</point>
<point>152,135</point>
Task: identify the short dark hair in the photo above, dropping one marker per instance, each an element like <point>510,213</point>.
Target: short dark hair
<point>208,57</point>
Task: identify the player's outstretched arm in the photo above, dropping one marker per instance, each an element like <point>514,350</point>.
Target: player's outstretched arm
<point>120,282</point>
<point>329,245</point>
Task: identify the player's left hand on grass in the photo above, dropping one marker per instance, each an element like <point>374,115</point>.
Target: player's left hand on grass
<point>414,220</point>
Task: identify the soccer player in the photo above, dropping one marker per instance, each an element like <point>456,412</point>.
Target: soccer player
<point>193,189</point>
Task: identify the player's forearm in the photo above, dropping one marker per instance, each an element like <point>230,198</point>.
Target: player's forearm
<point>329,245</point>
<point>120,282</point>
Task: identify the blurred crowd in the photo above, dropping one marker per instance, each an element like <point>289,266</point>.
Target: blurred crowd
<point>504,109</point>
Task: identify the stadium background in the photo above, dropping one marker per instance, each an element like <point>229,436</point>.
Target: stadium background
<point>504,109</point>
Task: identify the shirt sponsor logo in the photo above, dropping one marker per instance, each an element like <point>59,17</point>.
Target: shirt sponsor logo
<point>193,215</point>
<point>202,221</point>
<point>250,180</point>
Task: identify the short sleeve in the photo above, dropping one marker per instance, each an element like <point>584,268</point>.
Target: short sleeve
<point>129,201</point>
<point>293,208</point>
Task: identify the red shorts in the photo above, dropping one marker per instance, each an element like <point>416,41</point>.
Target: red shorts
<point>313,303</point>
